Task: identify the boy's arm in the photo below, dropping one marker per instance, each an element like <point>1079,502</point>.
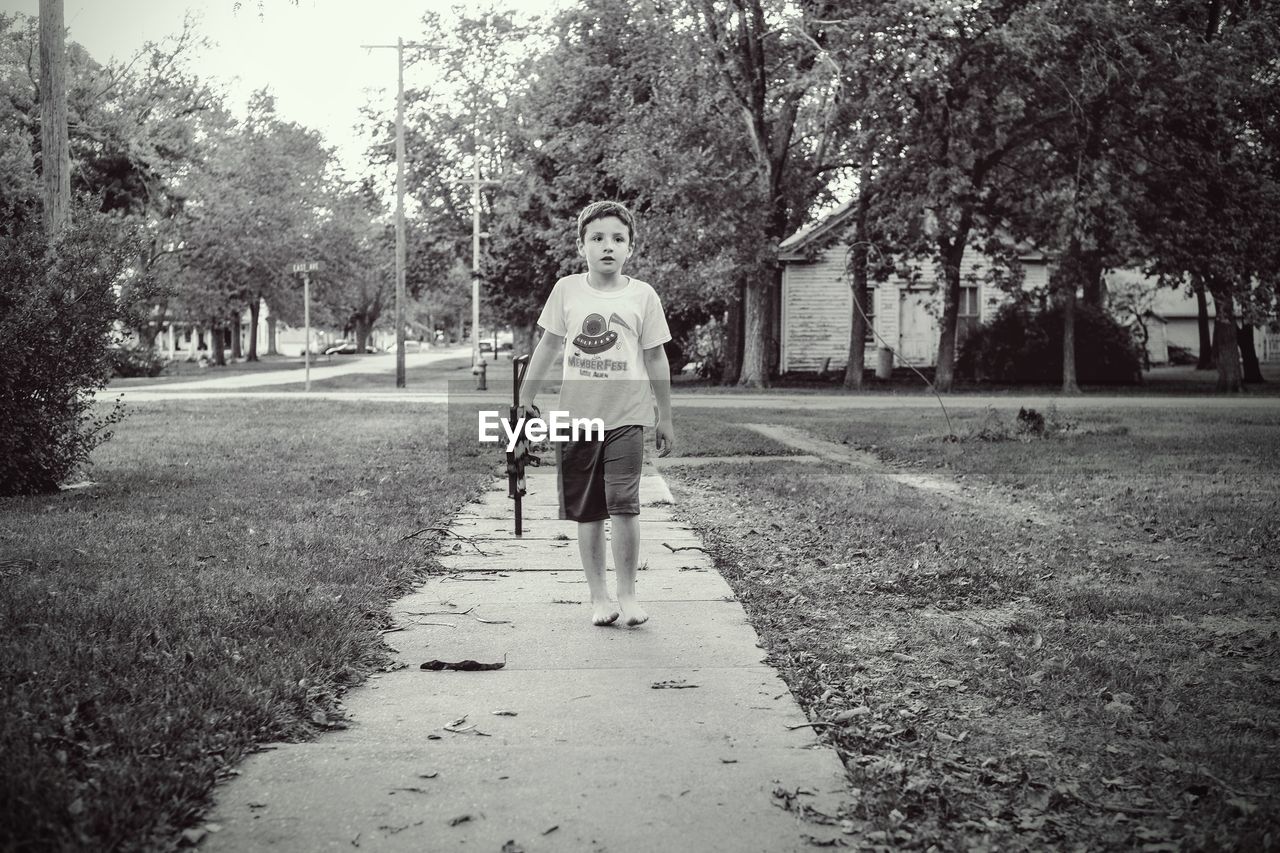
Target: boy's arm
<point>540,365</point>
<point>655,362</point>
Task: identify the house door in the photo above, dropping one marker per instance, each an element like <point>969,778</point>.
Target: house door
<point>917,331</point>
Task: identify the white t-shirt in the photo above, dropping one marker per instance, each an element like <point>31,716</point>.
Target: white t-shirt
<point>606,333</point>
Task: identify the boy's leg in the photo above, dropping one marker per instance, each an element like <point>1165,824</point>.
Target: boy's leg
<point>591,549</point>
<point>580,483</point>
<point>626,554</point>
<point>623,458</point>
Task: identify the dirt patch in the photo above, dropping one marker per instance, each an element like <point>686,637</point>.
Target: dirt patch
<point>988,500</point>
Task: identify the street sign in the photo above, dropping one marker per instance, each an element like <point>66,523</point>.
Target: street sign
<point>306,266</point>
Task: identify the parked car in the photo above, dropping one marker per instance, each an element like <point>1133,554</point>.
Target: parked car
<point>486,347</point>
<point>342,348</point>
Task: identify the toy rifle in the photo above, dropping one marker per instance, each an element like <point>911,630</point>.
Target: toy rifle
<point>519,456</point>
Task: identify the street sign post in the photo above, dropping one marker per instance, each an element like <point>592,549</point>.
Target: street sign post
<point>306,268</point>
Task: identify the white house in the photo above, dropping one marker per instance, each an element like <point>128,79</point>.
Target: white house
<point>817,303</point>
<point>816,307</point>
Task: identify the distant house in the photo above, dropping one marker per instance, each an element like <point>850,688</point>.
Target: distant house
<point>816,308</point>
<point>1173,317</point>
<point>817,303</point>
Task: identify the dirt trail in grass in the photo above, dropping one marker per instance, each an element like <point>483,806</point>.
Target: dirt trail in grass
<point>1100,677</point>
<point>987,501</point>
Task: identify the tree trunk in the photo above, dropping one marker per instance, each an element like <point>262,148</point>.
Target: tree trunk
<point>1069,384</point>
<point>524,338</point>
<point>236,352</point>
<point>952,254</point>
<point>219,346</point>
<point>856,364</point>
<point>55,157</point>
<point>255,309</point>
<point>1230,377</point>
<point>733,338</point>
<point>1249,356</point>
<point>271,335</point>
<point>755,314</point>
<point>1092,282</point>
<point>1205,360</point>
<point>1073,266</point>
<point>362,333</point>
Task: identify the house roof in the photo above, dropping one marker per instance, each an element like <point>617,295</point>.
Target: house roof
<point>793,246</point>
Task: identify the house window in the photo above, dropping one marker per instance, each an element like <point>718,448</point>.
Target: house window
<point>968,316</point>
<point>869,335</point>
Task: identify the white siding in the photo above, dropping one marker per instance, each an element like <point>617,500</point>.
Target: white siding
<point>817,306</point>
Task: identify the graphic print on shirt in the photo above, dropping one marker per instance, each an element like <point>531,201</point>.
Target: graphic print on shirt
<point>598,336</point>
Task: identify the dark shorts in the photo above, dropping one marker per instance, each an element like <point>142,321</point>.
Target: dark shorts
<point>598,479</point>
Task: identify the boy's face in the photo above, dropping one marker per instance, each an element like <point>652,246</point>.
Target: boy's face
<point>606,244</point>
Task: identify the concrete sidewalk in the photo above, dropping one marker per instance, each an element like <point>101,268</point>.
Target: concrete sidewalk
<point>322,367</point>
<point>672,736</point>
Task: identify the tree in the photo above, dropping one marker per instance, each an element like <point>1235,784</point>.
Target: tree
<point>355,243</point>
<point>55,161</point>
<point>766,54</point>
<point>1211,150</point>
<point>970,105</point>
<point>252,205</point>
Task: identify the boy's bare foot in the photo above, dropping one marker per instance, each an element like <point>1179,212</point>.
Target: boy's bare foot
<point>632,613</point>
<point>603,613</point>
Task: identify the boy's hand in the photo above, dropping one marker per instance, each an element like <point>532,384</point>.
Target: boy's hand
<point>666,437</point>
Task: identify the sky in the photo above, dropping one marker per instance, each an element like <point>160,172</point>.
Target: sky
<point>309,54</point>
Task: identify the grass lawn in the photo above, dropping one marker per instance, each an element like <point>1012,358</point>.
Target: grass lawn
<point>220,587</point>
<point>1076,650</point>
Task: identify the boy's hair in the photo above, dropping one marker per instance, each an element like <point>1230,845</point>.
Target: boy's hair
<point>601,209</point>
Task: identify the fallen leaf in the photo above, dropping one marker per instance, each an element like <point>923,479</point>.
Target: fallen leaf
<point>679,684</point>
<point>851,713</point>
<point>949,683</point>
<point>454,821</point>
<point>462,665</point>
<point>433,774</point>
<point>550,829</point>
<point>504,713</point>
<point>902,658</point>
<point>1242,805</point>
<point>512,847</point>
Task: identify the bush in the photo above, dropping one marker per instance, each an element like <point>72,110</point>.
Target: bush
<point>127,361</point>
<point>1181,355</point>
<point>1023,346</point>
<point>57,311</point>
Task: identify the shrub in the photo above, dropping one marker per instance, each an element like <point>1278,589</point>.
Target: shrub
<point>127,361</point>
<point>57,311</point>
<point>1023,345</point>
<point>1179,355</point>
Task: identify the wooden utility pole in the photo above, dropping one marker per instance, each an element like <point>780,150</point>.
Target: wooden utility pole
<point>401,250</point>
<point>55,157</point>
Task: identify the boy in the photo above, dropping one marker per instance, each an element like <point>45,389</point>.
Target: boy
<point>614,369</point>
